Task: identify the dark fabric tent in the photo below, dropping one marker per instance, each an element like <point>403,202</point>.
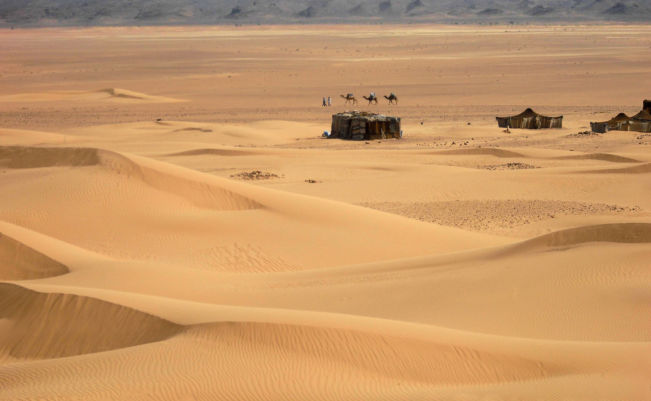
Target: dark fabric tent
<point>646,105</point>
<point>531,120</point>
<point>643,115</point>
<point>641,122</point>
<point>361,125</point>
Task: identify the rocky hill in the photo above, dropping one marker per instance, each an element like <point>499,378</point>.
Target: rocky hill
<point>162,12</point>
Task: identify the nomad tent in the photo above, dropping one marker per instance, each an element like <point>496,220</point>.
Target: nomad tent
<point>361,125</point>
<point>616,123</point>
<point>646,105</point>
<point>531,120</point>
<point>641,122</point>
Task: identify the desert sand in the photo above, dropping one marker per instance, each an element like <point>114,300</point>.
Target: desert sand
<point>174,227</point>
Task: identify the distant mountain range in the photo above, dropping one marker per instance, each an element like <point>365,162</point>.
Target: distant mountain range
<point>165,12</point>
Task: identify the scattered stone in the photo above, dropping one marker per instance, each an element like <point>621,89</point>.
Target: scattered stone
<point>583,134</point>
<point>498,216</point>
<point>509,166</point>
<point>254,175</point>
<point>311,181</point>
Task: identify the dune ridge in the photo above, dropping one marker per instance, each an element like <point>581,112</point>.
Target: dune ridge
<point>366,357</point>
<point>608,157</point>
<point>629,233</point>
<point>481,151</point>
<point>83,334</point>
<point>644,168</point>
<point>149,192</point>
<point>213,152</point>
<point>198,193</point>
<point>20,262</point>
<point>59,325</point>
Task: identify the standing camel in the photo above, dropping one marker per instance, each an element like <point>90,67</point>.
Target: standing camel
<point>349,98</point>
<point>371,98</point>
<point>392,98</point>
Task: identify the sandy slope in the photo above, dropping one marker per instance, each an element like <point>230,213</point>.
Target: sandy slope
<point>149,260</point>
<point>323,299</point>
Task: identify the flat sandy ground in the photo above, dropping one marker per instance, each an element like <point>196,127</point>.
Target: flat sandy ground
<point>173,226</point>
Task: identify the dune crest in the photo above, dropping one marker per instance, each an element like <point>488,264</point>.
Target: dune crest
<point>382,356</point>
<point>213,152</point>
<point>58,325</point>
<point>607,157</point>
<point>197,192</point>
<point>639,169</point>
<point>481,151</point>
<point>627,233</point>
<point>20,262</point>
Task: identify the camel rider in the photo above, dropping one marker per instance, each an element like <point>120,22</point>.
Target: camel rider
<point>372,95</point>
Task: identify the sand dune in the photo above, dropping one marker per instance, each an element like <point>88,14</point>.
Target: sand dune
<point>600,156</point>
<point>196,192</point>
<point>213,152</point>
<point>639,169</point>
<point>59,325</point>
<point>399,328</point>
<point>367,316</point>
<point>624,233</point>
<point>365,357</point>
<point>20,262</point>
<point>84,334</point>
<point>482,151</point>
<point>156,194</point>
<point>196,135</point>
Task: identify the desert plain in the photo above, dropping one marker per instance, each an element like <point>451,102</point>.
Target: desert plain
<point>173,225</point>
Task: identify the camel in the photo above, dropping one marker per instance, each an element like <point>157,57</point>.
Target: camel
<point>392,98</point>
<point>371,98</point>
<point>349,98</point>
